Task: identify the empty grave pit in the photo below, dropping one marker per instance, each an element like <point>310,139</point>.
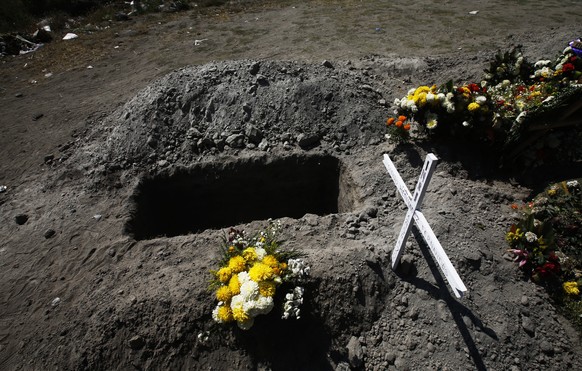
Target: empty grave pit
<point>222,194</point>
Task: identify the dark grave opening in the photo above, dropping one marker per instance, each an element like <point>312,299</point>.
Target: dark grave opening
<point>219,195</point>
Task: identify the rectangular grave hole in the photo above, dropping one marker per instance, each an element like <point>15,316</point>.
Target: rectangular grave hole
<point>219,195</point>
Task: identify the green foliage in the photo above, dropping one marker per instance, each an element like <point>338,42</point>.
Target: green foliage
<point>509,66</point>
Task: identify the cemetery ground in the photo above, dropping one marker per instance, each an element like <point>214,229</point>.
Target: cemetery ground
<point>106,251</point>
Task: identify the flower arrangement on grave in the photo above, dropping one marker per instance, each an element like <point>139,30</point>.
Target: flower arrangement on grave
<point>547,242</point>
<point>514,99</point>
<point>437,108</point>
<point>255,275</point>
<point>398,127</point>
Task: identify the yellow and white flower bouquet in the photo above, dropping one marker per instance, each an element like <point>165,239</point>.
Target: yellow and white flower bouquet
<point>250,272</point>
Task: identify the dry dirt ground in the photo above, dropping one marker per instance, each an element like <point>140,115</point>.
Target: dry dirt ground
<point>121,179</point>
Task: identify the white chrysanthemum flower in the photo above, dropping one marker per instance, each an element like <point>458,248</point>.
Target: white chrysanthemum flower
<point>431,120</point>
<point>260,253</point>
<point>531,237</point>
<point>403,103</point>
<point>519,62</point>
<point>430,97</point>
<point>542,63</point>
<point>567,50</point>
<point>441,97</point>
<point>481,99</point>
<point>544,72</point>
<point>466,124</point>
<point>414,109</point>
<point>237,301</point>
<point>249,290</point>
<point>243,277</point>
<point>411,91</point>
<point>573,184</point>
<point>450,107</point>
<point>450,96</point>
<point>505,83</point>
<point>215,313</point>
<point>397,102</point>
<point>264,305</point>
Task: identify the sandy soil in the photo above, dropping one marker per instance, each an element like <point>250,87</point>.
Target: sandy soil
<point>77,147</point>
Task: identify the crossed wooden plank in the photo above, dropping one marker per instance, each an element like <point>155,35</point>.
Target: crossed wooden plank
<point>414,203</point>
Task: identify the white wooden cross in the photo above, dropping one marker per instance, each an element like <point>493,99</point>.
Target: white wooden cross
<point>414,202</point>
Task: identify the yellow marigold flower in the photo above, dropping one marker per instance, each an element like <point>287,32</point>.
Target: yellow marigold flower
<point>267,288</point>
<point>223,293</point>
<point>249,254</point>
<point>225,314</point>
<point>551,192</point>
<point>542,243</point>
<point>422,99</point>
<point>234,285</point>
<point>231,249</point>
<point>514,236</point>
<point>261,272</point>
<point>473,106</point>
<point>283,266</point>
<point>422,89</point>
<point>224,274</point>
<point>271,261</point>
<point>237,264</point>
<point>571,288</point>
<point>239,314</point>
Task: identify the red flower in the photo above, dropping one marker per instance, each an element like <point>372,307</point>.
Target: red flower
<point>521,88</point>
<point>474,87</point>
<point>567,67</point>
<point>553,258</point>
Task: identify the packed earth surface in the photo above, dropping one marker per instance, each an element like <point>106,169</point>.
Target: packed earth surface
<point>127,153</point>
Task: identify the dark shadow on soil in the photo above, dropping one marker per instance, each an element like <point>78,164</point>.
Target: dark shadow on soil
<point>281,345</point>
<point>478,161</point>
<point>458,310</point>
